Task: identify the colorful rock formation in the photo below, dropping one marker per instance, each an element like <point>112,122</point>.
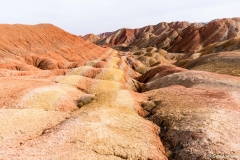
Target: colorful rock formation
<point>107,126</point>
<point>91,37</point>
<point>63,97</point>
<point>177,37</point>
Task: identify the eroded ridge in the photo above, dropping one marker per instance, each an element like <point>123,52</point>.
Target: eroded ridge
<point>92,112</point>
<point>108,104</point>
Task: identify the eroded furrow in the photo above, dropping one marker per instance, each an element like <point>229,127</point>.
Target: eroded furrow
<point>94,111</point>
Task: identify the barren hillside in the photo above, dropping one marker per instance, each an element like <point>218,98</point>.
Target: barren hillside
<point>63,97</point>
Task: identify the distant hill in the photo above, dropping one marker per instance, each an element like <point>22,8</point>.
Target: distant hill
<point>177,37</point>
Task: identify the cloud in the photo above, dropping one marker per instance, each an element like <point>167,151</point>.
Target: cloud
<point>94,16</point>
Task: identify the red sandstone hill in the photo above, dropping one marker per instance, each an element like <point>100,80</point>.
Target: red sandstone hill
<point>105,34</point>
<point>178,37</point>
<point>127,36</point>
<point>43,46</point>
<point>91,37</point>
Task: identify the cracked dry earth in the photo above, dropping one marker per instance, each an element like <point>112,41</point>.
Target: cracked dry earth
<point>95,112</point>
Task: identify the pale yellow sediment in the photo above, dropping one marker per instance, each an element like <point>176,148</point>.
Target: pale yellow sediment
<point>45,97</point>
<point>69,79</point>
<point>104,86</point>
<point>92,62</point>
<point>80,70</point>
<point>90,85</point>
<point>111,74</point>
<point>113,63</point>
<point>31,122</point>
<point>104,73</point>
<point>116,100</point>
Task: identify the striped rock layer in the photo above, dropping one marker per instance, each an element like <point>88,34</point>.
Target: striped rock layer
<point>177,37</point>
<point>63,97</point>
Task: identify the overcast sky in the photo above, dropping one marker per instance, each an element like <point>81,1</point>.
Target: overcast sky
<point>96,16</point>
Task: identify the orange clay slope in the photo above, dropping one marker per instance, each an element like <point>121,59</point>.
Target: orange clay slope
<point>43,46</point>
